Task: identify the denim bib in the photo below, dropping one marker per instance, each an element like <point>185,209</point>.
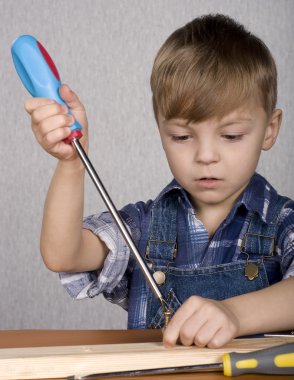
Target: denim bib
<point>216,282</point>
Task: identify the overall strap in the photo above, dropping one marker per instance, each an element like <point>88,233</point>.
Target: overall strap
<point>162,244</point>
<point>260,237</point>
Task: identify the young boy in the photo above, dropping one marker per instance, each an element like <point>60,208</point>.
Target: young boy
<point>218,238</point>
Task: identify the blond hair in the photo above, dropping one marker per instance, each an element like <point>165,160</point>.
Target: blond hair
<point>210,67</point>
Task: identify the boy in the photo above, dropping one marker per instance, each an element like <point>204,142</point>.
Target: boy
<point>218,238</point>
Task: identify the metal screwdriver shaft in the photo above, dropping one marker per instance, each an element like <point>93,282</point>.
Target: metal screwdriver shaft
<point>118,220</point>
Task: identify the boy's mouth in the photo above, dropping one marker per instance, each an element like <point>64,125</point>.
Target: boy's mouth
<point>208,179</point>
<point>208,182</point>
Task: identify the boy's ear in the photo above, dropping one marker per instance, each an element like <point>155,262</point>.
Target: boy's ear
<point>272,129</point>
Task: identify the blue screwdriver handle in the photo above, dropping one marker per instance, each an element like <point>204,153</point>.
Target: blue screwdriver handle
<point>39,74</point>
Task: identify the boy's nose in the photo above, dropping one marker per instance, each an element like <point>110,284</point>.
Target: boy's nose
<point>206,153</point>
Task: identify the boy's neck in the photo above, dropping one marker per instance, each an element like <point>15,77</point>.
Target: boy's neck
<point>212,217</point>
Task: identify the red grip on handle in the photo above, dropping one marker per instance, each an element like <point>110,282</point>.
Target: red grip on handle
<point>76,134</point>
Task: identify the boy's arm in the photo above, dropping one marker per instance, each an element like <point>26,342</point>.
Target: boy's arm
<point>206,322</point>
<point>65,246</point>
<point>267,310</point>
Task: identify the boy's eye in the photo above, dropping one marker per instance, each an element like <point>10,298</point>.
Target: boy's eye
<point>232,137</point>
<point>181,138</point>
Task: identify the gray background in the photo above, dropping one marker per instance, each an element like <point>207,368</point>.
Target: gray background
<point>104,49</point>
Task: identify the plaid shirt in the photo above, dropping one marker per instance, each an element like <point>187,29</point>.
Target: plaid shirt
<point>113,279</point>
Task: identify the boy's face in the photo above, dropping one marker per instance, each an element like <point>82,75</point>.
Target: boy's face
<point>214,159</point>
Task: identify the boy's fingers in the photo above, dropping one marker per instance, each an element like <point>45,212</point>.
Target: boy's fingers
<point>191,328</point>
<point>73,102</point>
<point>50,125</point>
<point>56,136</point>
<point>32,103</point>
<point>66,94</point>
<point>221,337</point>
<point>206,333</point>
<point>54,122</point>
<point>172,332</point>
<point>47,111</point>
<point>70,98</point>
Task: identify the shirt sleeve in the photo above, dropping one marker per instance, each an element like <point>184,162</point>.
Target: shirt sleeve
<point>286,240</point>
<point>112,279</point>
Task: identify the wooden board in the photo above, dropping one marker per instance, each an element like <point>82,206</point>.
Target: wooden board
<point>63,361</point>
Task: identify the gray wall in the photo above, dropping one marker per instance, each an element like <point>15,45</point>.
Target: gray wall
<point>104,49</point>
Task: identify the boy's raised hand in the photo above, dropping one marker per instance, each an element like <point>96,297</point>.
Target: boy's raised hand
<point>203,322</point>
<point>50,123</point>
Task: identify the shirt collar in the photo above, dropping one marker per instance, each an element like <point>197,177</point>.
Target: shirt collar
<point>172,186</point>
<point>257,197</point>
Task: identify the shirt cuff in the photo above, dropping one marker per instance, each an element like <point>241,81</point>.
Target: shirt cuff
<point>90,284</point>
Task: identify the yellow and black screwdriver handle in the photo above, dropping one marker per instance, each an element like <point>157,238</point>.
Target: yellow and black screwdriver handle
<point>277,360</point>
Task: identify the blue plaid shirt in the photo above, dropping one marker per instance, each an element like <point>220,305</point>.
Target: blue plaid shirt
<point>113,279</point>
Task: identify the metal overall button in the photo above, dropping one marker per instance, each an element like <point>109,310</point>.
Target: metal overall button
<point>158,275</point>
<point>252,269</point>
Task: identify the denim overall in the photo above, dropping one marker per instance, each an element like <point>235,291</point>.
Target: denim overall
<point>217,282</point>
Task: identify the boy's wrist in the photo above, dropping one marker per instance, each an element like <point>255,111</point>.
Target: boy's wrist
<point>230,304</point>
<point>71,166</point>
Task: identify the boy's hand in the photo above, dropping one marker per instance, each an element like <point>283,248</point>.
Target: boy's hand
<point>50,123</point>
<point>203,322</point>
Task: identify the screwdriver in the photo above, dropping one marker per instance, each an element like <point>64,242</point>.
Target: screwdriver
<point>277,360</point>
<point>40,77</point>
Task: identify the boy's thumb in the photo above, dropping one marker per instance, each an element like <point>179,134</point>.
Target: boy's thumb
<point>70,98</point>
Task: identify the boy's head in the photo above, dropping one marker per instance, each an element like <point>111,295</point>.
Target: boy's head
<point>210,67</point>
<point>214,94</point>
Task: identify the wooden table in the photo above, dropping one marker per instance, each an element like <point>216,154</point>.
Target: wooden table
<point>41,338</point>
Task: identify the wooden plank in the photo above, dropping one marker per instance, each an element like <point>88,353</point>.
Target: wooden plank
<point>41,338</point>
<point>63,361</point>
